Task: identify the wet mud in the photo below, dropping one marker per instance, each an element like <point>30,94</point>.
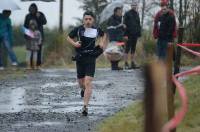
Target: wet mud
<point>49,100</point>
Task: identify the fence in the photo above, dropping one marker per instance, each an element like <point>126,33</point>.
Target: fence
<point>160,92</point>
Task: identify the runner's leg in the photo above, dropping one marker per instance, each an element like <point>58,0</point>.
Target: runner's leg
<point>81,76</point>
<point>88,90</point>
<point>81,83</point>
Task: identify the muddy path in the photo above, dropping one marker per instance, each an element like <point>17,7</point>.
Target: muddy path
<point>49,100</point>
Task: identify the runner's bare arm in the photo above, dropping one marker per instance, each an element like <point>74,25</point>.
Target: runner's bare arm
<point>75,44</point>
<point>103,41</point>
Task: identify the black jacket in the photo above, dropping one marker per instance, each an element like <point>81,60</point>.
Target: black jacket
<point>117,33</point>
<point>132,22</point>
<point>167,26</point>
<point>40,21</point>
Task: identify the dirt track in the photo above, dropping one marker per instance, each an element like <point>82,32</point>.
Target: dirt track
<point>49,101</point>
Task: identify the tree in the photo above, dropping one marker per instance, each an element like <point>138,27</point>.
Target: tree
<point>96,6</point>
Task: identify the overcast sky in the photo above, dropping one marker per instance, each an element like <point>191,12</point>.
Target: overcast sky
<point>51,10</point>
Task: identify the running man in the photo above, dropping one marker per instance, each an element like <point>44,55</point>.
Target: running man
<point>83,38</point>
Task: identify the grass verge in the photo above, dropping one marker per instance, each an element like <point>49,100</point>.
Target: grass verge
<point>127,120</point>
<point>131,119</point>
<point>13,73</point>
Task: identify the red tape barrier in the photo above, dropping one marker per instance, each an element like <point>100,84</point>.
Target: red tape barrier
<point>120,43</point>
<point>189,45</point>
<point>191,51</point>
<point>173,123</point>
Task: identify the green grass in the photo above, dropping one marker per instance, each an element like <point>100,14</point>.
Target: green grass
<point>131,119</point>
<point>127,120</point>
<point>20,53</point>
<point>12,73</point>
<point>192,120</point>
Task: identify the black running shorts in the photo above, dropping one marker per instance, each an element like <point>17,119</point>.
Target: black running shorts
<point>85,67</point>
<point>131,45</point>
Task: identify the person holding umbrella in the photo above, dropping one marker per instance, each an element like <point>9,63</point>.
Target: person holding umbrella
<point>6,37</point>
<point>40,18</point>
<point>115,31</point>
<point>133,32</point>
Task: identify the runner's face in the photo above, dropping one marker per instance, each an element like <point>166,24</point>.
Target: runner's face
<point>88,21</point>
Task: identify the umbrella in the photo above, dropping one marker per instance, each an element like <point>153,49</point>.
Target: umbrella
<point>39,0</point>
<point>8,5</point>
<point>108,11</point>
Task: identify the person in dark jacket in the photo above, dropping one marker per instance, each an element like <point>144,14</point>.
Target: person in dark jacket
<point>115,30</point>
<point>133,32</point>
<point>40,18</point>
<point>164,29</point>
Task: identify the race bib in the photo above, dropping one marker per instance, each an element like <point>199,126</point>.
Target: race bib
<point>90,33</point>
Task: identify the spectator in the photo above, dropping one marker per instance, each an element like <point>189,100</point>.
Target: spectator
<point>33,44</point>
<point>133,32</point>
<point>115,30</point>
<point>40,18</point>
<point>164,29</point>
<point>6,37</point>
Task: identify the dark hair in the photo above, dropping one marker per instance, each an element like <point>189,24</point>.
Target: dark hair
<point>117,8</point>
<point>33,5</point>
<point>89,13</point>
<point>6,11</point>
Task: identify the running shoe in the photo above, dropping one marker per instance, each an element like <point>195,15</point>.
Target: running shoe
<point>126,66</point>
<point>14,64</point>
<point>82,93</point>
<point>134,66</point>
<point>85,111</point>
<point>1,68</point>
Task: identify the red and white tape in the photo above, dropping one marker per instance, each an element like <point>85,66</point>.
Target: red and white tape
<point>174,122</point>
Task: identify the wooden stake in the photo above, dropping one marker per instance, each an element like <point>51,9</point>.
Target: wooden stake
<point>156,97</point>
<point>170,86</point>
<point>61,17</point>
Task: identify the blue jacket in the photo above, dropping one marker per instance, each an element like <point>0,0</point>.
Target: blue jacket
<point>5,28</point>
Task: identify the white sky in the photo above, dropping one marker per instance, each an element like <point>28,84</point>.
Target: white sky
<point>51,10</point>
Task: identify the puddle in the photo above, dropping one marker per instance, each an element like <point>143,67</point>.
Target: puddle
<point>11,100</point>
<point>55,93</point>
<point>47,123</point>
<point>55,85</point>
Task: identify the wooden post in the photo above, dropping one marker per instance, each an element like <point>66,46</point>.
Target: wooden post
<point>155,97</point>
<point>61,17</point>
<point>180,39</point>
<point>170,86</point>
<point>172,4</point>
<point>178,51</point>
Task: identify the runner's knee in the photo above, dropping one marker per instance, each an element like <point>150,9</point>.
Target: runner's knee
<point>88,83</point>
